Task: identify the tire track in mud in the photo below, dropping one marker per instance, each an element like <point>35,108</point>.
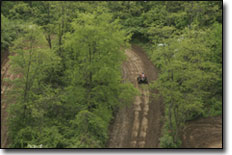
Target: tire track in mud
<point>139,125</point>
<point>4,87</point>
<point>138,100</point>
<point>4,104</point>
<point>203,133</point>
<point>130,128</point>
<point>144,121</point>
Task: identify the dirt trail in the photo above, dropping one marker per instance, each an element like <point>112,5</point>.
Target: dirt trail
<point>5,65</point>
<point>203,133</point>
<point>4,70</point>
<point>138,125</point>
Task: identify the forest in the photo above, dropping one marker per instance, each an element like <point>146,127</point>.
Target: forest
<point>68,58</point>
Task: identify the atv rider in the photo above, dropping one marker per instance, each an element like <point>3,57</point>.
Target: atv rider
<point>142,78</point>
<point>142,75</point>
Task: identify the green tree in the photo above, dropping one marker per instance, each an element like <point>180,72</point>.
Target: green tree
<point>93,58</point>
<point>30,60</point>
<point>190,79</point>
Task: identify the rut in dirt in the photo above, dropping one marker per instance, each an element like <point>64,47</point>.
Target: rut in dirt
<point>5,73</point>
<point>138,125</point>
<point>203,133</point>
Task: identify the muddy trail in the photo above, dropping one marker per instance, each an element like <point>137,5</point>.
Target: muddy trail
<point>5,65</point>
<point>138,125</point>
<point>203,133</point>
<point>4,86</point>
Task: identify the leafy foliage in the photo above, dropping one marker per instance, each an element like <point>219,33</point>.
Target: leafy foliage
<point>66,94</point>
<point>184,41</point>
<point>68,55</point>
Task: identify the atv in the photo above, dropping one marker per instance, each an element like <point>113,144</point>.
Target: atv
<point>141,79</point>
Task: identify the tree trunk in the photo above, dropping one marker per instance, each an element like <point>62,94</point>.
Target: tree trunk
<point>49,33</point>
<point>89,83</point>
<point>27,79</point>
<point>61,29</point>
<point>170,116</point>
<point>48,38</point>
<point>176,123</point>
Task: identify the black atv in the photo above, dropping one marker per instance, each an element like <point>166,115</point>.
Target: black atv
<point>141,79</point>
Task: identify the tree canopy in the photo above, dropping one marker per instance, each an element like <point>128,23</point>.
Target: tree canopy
<point>68,56</point>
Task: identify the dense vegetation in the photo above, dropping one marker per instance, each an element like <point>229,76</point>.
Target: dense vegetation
<point>184,41</point>
<point>71,79</point>
<point>69,56</point>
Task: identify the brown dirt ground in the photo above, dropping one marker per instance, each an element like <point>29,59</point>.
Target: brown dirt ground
<point>128,125</point>
<point>203,133</point>
<point>138,125</point>
<point>5,65</point>
<point>4,70</point>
